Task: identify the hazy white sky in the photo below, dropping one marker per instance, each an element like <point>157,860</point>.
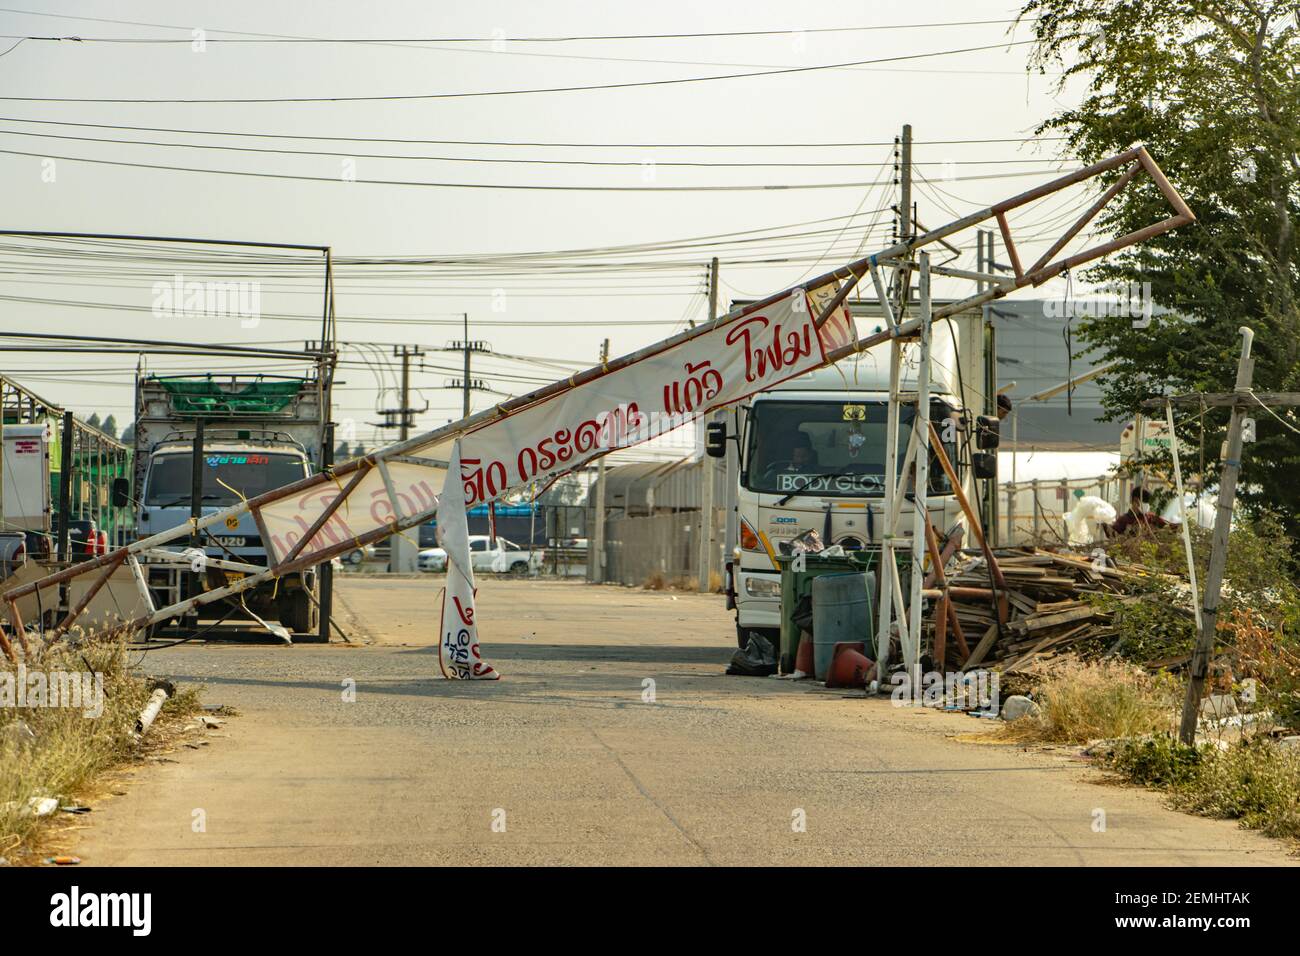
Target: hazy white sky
<point>975,95</point>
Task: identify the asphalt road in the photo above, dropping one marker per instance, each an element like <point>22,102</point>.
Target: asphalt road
<point>571,760</point>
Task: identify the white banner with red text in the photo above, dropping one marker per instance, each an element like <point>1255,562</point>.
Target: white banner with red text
<point>531,447</point>
<point>661,392</point>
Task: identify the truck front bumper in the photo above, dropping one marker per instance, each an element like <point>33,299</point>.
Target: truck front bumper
<point>758,598</point>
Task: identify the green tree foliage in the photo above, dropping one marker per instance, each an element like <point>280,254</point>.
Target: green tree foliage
<point>1212,88</point>
<point>109,427</point>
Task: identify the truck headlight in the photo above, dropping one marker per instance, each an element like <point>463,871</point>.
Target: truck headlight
<point>762,587</point>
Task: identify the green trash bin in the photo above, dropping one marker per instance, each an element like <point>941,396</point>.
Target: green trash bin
<point>795,585</point>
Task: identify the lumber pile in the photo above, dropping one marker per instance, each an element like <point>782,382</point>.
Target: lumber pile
<point>1047,599</point>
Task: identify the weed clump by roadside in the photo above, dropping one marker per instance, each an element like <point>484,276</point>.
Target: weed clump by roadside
<point>64,720</point>
<point>1255,781</point>
<point>1079,702</point>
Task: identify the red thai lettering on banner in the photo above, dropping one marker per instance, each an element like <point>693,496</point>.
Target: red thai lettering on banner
<point>333,531</point>
<point>423,498</point>
<point>466,614</point>
<point>563,451</point>
<point>413,499</point>
<point>762,360</point>
<point>381,509</point>
<point>702,383</point>
<point>482,483</point>
<point>606,431</point>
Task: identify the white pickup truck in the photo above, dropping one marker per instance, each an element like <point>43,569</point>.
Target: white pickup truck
<point>505,558</point>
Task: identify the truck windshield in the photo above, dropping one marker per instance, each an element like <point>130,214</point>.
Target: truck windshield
<point>248,473</point>
<point>832,448</point>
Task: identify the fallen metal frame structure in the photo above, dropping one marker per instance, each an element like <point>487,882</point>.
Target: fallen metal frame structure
<point>899,255</point>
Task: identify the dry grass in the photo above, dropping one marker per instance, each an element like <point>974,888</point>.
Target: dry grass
<point>658,581</point>
<point>1086,701</point>
<point>70,749</point>
<point>1256,782</point>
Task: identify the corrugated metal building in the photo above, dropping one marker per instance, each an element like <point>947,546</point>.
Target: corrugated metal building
<point>656,487</point>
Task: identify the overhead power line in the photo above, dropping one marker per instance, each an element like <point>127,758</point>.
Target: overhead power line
<point>252,37</point>
<point>632,84</point>
<point>549,145</point>
<point>512,160</point>
<point>516,186</point>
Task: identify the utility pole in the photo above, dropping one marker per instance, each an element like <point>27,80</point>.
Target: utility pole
<point>707,471</point>
<point>905,185</point>
<point>986,265</point>
<point>465,409</point>
<point>1219,543</point>
<point>1242,398</point>
<point>406,353</point>
<point>467,384</point>
<point>403,552</point>
<point>903,277</point>
<point>596,556</point>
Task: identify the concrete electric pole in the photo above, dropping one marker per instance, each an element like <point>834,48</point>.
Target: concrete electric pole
<point>706,539</point>
<point>596,551</point>
<point>404,552</point>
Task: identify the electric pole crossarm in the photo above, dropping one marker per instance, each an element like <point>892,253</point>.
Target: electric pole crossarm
<point>1247,397</point>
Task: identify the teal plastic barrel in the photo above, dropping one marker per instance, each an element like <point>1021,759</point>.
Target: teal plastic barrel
<point>841,612</point>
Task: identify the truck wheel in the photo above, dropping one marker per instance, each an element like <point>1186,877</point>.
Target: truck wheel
<point>519,567</point>
<point>356,557</point>
<point>295,611</point>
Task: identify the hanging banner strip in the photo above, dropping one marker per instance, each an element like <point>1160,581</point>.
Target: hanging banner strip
<point>664,391</point>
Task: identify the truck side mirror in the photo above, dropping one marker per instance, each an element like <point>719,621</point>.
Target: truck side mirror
<point>121,493</point>
<point>715,439</point>
<point>988,431</point>
<point>984,465</point>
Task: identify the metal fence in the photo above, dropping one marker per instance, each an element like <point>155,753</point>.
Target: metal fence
<point>1034,511</point>
<point>666,546</point>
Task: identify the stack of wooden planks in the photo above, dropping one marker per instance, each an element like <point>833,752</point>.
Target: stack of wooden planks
<point>1048,606</point>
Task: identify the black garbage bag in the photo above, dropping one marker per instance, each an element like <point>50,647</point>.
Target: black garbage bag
<point>758,659</point>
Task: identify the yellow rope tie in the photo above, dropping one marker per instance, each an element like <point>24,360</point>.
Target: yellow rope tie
<point>233,491</point>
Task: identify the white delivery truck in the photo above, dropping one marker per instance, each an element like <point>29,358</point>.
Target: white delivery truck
<point>811,457</point>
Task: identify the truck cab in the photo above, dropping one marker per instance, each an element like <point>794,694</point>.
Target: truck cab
<point>812,458</point>
<point>232,470</point>
<point>259,433</point>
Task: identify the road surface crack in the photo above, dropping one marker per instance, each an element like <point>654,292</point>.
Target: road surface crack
<point>649,796</point>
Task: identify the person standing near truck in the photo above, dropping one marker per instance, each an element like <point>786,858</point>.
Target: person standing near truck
<point>1138,516</point>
